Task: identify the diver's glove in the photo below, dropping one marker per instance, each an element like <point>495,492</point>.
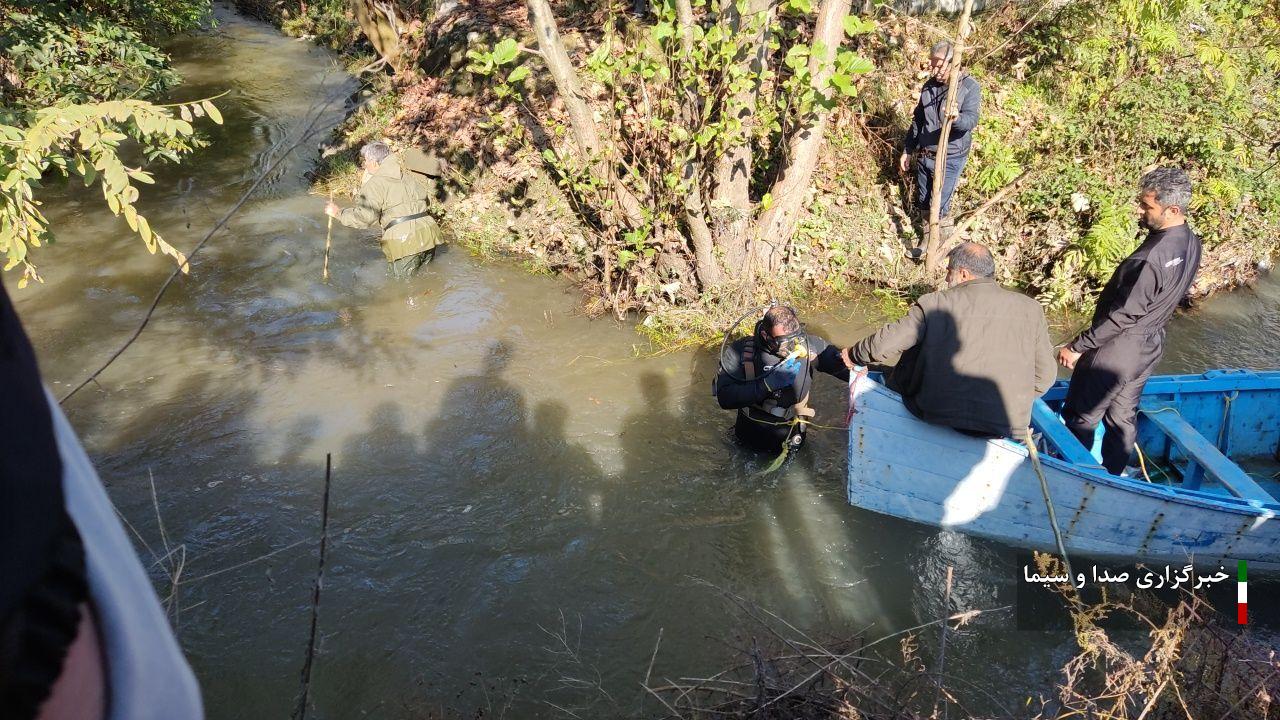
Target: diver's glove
<point>784,375</point>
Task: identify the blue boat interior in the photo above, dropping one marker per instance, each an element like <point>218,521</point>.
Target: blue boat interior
<point>1215,435</point>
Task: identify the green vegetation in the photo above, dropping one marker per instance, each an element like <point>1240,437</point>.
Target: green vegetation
<point>1111,88</point>
<point>57,52</point>
<point>75,76</point>
<point>1080,99</point>
<point>688,145</point>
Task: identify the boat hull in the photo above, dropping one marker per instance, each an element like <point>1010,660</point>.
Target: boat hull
<point>909,469</point>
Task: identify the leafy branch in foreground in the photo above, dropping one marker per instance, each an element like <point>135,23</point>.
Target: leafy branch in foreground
<point>85,140</point>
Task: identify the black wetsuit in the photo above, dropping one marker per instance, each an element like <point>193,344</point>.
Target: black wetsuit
<point>756,427</point>
<point>1126,340</point>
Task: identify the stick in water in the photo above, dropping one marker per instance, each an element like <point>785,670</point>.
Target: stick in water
<point>300,712</point>
<point>327,236</point>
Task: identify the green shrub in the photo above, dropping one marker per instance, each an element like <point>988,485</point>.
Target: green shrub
<point>61,56</point>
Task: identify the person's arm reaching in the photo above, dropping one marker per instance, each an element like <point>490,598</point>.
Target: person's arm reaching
<point>891,340</point>
<point>1134,297</point>
<point>367,211</point>
<point>827,359</point>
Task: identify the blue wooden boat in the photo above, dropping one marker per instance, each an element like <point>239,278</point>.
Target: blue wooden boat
<point>1211,444</point>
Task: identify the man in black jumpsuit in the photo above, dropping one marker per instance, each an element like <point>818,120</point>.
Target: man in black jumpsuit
<point>1114,357</point>
<point>763,378</point>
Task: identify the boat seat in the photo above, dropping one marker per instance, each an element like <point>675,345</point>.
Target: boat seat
<point>1203,453</point>
<point>1044,419</point>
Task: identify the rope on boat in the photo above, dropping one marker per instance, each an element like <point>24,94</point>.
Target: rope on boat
<point>1048,502</point>
<point>1142,461</point>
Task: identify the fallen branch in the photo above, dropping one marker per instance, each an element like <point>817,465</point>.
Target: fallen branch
<point>972,216</point>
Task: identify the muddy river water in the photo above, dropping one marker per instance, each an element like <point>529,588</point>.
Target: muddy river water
<point>522,503</point>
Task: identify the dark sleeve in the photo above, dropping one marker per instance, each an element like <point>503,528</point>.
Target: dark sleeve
<point>828,359</point>
<point>970,103</point>
<point>732,393</point>
<point>912,140</point>
<point>367,212</point>
<point>1046,364</point>
<point>891,340</point>
<point>1135,294</point>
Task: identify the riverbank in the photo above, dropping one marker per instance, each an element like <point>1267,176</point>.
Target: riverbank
<point>1061,159</point>
<point>522,504</point>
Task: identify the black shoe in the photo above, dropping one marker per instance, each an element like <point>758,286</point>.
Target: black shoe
<point>915,253</point>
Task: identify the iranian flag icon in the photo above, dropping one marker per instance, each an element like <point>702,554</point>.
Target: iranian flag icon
<point>1242,604</point>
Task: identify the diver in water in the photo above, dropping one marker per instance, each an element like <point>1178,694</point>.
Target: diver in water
<point>766,377</point>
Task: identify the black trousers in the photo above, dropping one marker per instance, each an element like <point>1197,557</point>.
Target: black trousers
<point>1107,385</point>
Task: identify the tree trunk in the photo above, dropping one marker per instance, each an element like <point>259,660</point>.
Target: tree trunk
<point>581,120</point>
<point>695,211</point>
<point>380,25</point>
<point>934,248</point>
<point>565,77</point>
<point>774,230</point>
<point>733,169</point>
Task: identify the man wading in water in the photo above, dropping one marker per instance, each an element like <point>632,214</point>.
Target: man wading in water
<point>394,199</point>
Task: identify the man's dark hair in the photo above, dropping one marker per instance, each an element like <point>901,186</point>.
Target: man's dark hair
<point>972,257</point>
<point>375,152</point>
<point>1171,186</point>
<point>943,48</point>
<point>782,317</point>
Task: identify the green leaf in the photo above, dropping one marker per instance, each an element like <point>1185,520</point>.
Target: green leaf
<point>766,202</point>
<point>854,25</point>
<point>662,31</point>
<point>842,83</point>
<point>518,74</point>
<point>211,111</point>
<point>505,51</point>
<point>800,6</point>
<point>797,57</point>
<point>144,229</point>
<point>859,66</point>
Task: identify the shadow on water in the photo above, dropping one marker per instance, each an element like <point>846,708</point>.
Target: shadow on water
<point>509,516</point>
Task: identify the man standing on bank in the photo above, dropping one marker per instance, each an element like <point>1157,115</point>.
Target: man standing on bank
<point>926,127</point>
<point>1114,357</point>
<point>395,200</point>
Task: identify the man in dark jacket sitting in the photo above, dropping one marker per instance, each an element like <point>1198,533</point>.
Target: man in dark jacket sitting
<point>973,356</point>
<point>766,378</point>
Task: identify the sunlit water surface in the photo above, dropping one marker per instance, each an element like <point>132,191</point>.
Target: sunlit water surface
<point>522,503</point>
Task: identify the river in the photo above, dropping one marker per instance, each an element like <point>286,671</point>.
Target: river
<point>524,501</point>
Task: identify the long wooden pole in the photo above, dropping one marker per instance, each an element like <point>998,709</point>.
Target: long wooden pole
<point>328,235</point>
<point>944,136</point>
<point>300,711</point>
